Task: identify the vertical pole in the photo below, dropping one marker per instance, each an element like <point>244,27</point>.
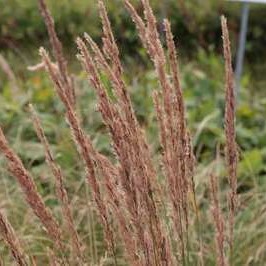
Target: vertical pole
<point>242,45</point>
<point>163,11</point>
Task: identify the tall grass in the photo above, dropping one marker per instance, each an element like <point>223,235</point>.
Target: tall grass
<point>150,216</point>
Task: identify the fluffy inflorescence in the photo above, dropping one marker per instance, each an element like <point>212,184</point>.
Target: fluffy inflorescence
<point>129,194</point>
<point>11,239</point>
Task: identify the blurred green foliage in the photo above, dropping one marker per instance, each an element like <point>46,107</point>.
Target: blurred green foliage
<point>195,23</point>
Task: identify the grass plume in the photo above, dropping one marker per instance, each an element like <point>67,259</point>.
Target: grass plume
<point>151,223</point>
<point>11,239</point>
<point>32,196</point>
<point>60,188</point>
<point>230,132</point>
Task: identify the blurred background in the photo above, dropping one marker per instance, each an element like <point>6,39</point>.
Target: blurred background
<point>196,27</point>
<point>197,31</point>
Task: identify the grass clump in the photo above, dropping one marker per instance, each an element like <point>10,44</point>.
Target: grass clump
<point>149,215</point>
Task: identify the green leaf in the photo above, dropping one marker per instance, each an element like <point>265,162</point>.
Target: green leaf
<point>251,163</point>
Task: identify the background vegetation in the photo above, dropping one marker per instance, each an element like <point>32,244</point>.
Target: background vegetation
<point>196,26</point>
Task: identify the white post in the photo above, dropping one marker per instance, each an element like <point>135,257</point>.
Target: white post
<point>242,45</point>
<point>243,37</point>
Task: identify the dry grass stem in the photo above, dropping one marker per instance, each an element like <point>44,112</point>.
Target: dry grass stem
<point>29,188</point>
<point>230,133</point>
<point>84,146</point>
<point>178,156</point>
<point>58,51</point>
<point>126,123</point>
<point>60,189</point>
<point>10,74</point>
<point>218,220</point>
<point>11,239</point>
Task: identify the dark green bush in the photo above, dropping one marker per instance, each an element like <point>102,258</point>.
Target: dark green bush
<point>195,23</point>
